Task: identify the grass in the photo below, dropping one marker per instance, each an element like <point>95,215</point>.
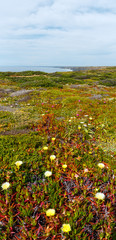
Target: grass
<point>77,125</point>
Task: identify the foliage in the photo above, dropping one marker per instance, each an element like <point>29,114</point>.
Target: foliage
<point>77,126</point>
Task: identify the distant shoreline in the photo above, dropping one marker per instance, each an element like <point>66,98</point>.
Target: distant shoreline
<point>50,69</point>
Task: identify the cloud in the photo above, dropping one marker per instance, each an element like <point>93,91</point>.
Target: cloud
<point>58,32</point>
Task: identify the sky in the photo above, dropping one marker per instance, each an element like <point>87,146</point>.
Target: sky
<point>58,33</point>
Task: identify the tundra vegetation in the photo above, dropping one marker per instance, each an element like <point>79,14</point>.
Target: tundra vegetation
<point>57,155</point>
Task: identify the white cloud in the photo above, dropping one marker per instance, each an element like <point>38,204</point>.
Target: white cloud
<point>63,32</point>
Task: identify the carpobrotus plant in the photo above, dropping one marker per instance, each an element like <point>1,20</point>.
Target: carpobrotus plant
<point>5,185</point>
<point>66,202</point>
<point>64,187</point>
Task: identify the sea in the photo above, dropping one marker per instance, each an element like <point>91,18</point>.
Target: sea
<point>46,69</point>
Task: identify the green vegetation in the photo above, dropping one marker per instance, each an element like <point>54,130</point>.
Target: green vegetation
<point>52,139</point>
<point>105,76</point>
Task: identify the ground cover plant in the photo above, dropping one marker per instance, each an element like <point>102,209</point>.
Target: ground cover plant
<point>57,152</point>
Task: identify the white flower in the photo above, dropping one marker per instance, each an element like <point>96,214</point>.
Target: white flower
<point>52,157</point>
<point>18,163</point>
<point>101,165</point>
<point>5,185</point>
<point>100,195</point>
<point>86,170</point>
<point>50,212</point>
<point>48,173</point>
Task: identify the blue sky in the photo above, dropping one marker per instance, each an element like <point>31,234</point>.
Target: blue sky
<point>58,33</point>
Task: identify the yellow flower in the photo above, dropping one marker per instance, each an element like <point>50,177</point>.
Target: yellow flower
<point>5,185</point>
<point>50,212</point>
<point>64,166</point>
<point>45,148</point>
<point>18,163</point>
<point>66,227</point>
<point>52,157</point>
<point>90,118</point>
<point>90,152</point>
<point>79,127</point>
<point>53,139</point>
<point>100,195</point>
<point>101,165</point>
<point>48,173</point>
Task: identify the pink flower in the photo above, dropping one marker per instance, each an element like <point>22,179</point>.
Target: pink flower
<point>77,114</point>
<point>76,175</point>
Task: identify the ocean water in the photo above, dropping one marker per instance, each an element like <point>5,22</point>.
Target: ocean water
<point>46,69</point>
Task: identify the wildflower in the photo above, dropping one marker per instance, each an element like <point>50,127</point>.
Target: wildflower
<point>86,170</point>
<point>5,185</point>
<point>52,157</point>
<point>101,165</point>
<point>90,118</point>
<point>50,212</point>
<point>53,139</point>
<point>64,166</point>
<point>66,227</point>
<point>48,173</point>
<point>72,117</point>
<point>76,175</point>
<point>45,148</point>
<point>79,127</point>
<point>99,195</point>
<point>18,163</point>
